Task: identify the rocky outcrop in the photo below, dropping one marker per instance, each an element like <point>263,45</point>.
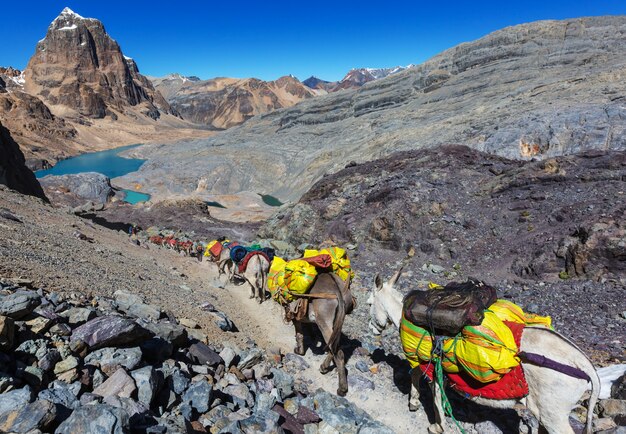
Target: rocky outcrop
<point>458,205</point>
<point>33,125</point>
<point>226,102</point>
<point>88,186</point>
<point>80,67</point>
<point>536,90</point>
<point>13,171</point>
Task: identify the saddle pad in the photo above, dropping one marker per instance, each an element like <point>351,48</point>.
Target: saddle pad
<point>244,262</point>
<point>319,261</point>
<point>512,385</point>
<point>216,250</point>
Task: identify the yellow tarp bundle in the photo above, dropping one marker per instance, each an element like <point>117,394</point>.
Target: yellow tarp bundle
<point>341,262</point>
<point>286,277</point>
<point>485,352</point>
<point>508,311</point>
<point>299,275</point>
<point>276,279</point>
<point>207,253</point>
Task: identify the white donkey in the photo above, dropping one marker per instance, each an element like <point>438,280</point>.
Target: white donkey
<point>256,275</point>
<point>551,394</point>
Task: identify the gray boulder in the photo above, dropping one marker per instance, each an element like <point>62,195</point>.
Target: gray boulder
<point>174,333</point>
<point>109,359</point>
<point>37,415</point>
<point>147,382</point>
<point>107,331</point>
<point>203,354</point>
<point>199,395</point>
<point>90,186</point>
<point>133,305</point>
<point>98,418</point>
<point>15,399</point>
<point>19,304</point>
<point>78,315</point>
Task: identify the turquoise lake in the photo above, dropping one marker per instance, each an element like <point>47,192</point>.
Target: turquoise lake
<point>109,163</point>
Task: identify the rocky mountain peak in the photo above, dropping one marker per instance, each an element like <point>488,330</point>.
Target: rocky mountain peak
<point>80,67</point>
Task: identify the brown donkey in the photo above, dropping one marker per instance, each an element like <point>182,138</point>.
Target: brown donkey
<point>330,301</point>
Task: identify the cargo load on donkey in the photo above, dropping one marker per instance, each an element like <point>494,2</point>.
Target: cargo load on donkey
<point>464,328</point>
<point>288,280</point>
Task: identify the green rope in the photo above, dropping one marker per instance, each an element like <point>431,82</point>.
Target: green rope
<point>445,402</point>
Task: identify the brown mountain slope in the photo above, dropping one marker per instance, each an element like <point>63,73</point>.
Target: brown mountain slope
<point>226,102</point>
<point>80,93</point>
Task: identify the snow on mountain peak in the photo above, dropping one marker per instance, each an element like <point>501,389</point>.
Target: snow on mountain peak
<point>68,11</point>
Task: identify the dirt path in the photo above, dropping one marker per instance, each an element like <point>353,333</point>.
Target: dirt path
<point>264,324</point>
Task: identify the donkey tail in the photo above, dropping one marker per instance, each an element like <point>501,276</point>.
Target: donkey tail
<point>340,315</point>
<point>595,392</point>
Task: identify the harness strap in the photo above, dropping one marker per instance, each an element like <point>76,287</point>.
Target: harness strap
<point>539,360</point>
<point>321,295</point>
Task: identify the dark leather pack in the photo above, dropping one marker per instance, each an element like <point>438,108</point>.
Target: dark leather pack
<point>448,310</point>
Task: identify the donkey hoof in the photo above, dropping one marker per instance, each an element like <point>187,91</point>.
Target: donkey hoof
<point>342,392</point>
<point>299,351</point>
<point>325,370</point>
<point>414,407</point>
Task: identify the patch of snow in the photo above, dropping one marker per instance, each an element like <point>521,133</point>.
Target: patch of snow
<point>128,58</point>
<point>19,80</point>
<point>608,375</point>
<point>72,27</point>
<point>41,40</point>
<point>68,11</point>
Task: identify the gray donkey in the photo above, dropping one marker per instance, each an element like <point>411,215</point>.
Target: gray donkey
<point>330,301</point>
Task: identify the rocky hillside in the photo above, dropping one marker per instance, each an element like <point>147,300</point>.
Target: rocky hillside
<point>226,102</point>
<point>549,234</point>
<point>536,90</point>
<point>79,93</point>
<point>13,171</point>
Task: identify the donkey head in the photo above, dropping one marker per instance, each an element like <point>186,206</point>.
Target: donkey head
<point>379,301</point>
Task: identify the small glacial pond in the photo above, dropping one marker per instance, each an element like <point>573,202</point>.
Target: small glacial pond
<point>270,200</point>
<point>109,163</point>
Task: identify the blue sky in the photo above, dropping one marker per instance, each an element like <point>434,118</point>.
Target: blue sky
<point>269,39</point>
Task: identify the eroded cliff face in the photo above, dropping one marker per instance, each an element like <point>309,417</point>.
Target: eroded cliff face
<point>80,67</point>
<point>13,171</point>
<point>538,90</point>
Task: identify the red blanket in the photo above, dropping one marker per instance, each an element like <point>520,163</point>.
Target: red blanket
<point>512,385</point>
<point>216,250</point>
<point>320,261</point>
<point>244,262</point>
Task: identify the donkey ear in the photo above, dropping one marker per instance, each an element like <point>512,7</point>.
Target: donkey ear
<point>379,282</point>
<point>396,276</point>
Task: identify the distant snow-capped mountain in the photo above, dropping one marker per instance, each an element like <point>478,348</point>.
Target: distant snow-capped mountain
<point>355,78</point>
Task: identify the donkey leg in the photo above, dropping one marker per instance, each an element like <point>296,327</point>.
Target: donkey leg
<point>414,394</point>
<point>440,424</point>
<point>299,349</point>
<point>342,390</point>
<point>325,367</point>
